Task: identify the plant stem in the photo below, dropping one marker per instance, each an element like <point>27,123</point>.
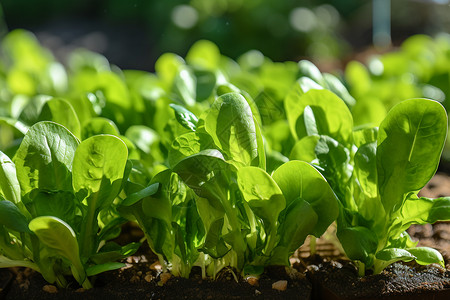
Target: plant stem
<point>312,245</point>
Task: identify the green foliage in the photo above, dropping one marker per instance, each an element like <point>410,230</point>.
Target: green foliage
<point>198,155</point>
<point>52,209</point>
<point>376,176</point>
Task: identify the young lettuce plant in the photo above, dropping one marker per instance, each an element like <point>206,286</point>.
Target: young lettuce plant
<point>239,216</point>
<point>54,193</point>
<point>376,173</point>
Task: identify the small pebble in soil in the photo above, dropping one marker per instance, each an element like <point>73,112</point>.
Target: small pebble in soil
<point>148,278</point>
<point>80,290</point>
<point>257,292</point>
<point>156,266</point>
<point>252,280</point>
<point>280,285</point>
<point>164,277</point>
<point>50,289</point>
<point>135,278</point>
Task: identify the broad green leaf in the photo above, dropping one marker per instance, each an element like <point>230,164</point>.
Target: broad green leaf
<point>214,244</point>
<point>187,119</point>
<point>11,217</point>
<point>364,135</point>
<point>206,83</point>
<point>230,123</point>
<point>359,243</point>
<point>365,169</point>
<point>389,256</point>
<point>423,211</point>
<point>30,113</point>
<point>143,137</point>
<point>98,169</point>
<point>9,185</point>
<point>308,69</point>
<point>410,143</point>
<point>336,86</point>
<point>334,161</point>
<point>204,54</point>
<point>299,221</point>
<point>394,254</point>
<point>298,179</point>
<point>331,115</point>
<point>60,111</point>
<point>167,67</point>
<point>44,158</point>
<point>305,149</point>
<point>188,144</point>
<point>185,86</point>
<point>57,204</point>
<point>262,194</point>
<point>201,168</point>
<point>426,256</point>
<point>60,238</point>
<point>97,126</point>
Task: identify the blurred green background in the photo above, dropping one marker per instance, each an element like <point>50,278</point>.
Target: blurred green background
<point>134,33</point>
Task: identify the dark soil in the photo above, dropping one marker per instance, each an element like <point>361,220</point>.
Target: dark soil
<point>131,283</point>
<point>339,280</point>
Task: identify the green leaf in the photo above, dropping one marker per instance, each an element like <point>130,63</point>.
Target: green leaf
<point>405,159</point>
<point>60,238</point>
<point>300,220</point>
<point>298,179</point>
<point>308,69</point>
<point>423,211</point>
<point>394,254</point>
<point>96,126</point>
<point>426,256</point>
<point>200,169</point>
<point>336,86</point>
<point>204,54</point>
<point>185,86</point>
<point>262,194</point>
<point>11,217</point>
<point>44,158</point>
<point>9,185</point>
<point>230,123</point>
<point>135,197</point>
<point>60,111</point>
<point>365,169</point>
<point>98,169</point>
<point>97,269</point>
<point>188,144</point>
<point>143,137</point>
<point>111,252</point>
<point>187,119</point>
<point>389,256</point>
<point>359,243</point>
<point>305,149</point>
<point>167,67</point>
<point>332,117</point>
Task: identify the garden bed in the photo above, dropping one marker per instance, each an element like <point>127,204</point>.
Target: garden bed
<point>324,276</point>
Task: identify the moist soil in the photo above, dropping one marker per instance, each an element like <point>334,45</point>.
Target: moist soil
<point>142,277</point>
